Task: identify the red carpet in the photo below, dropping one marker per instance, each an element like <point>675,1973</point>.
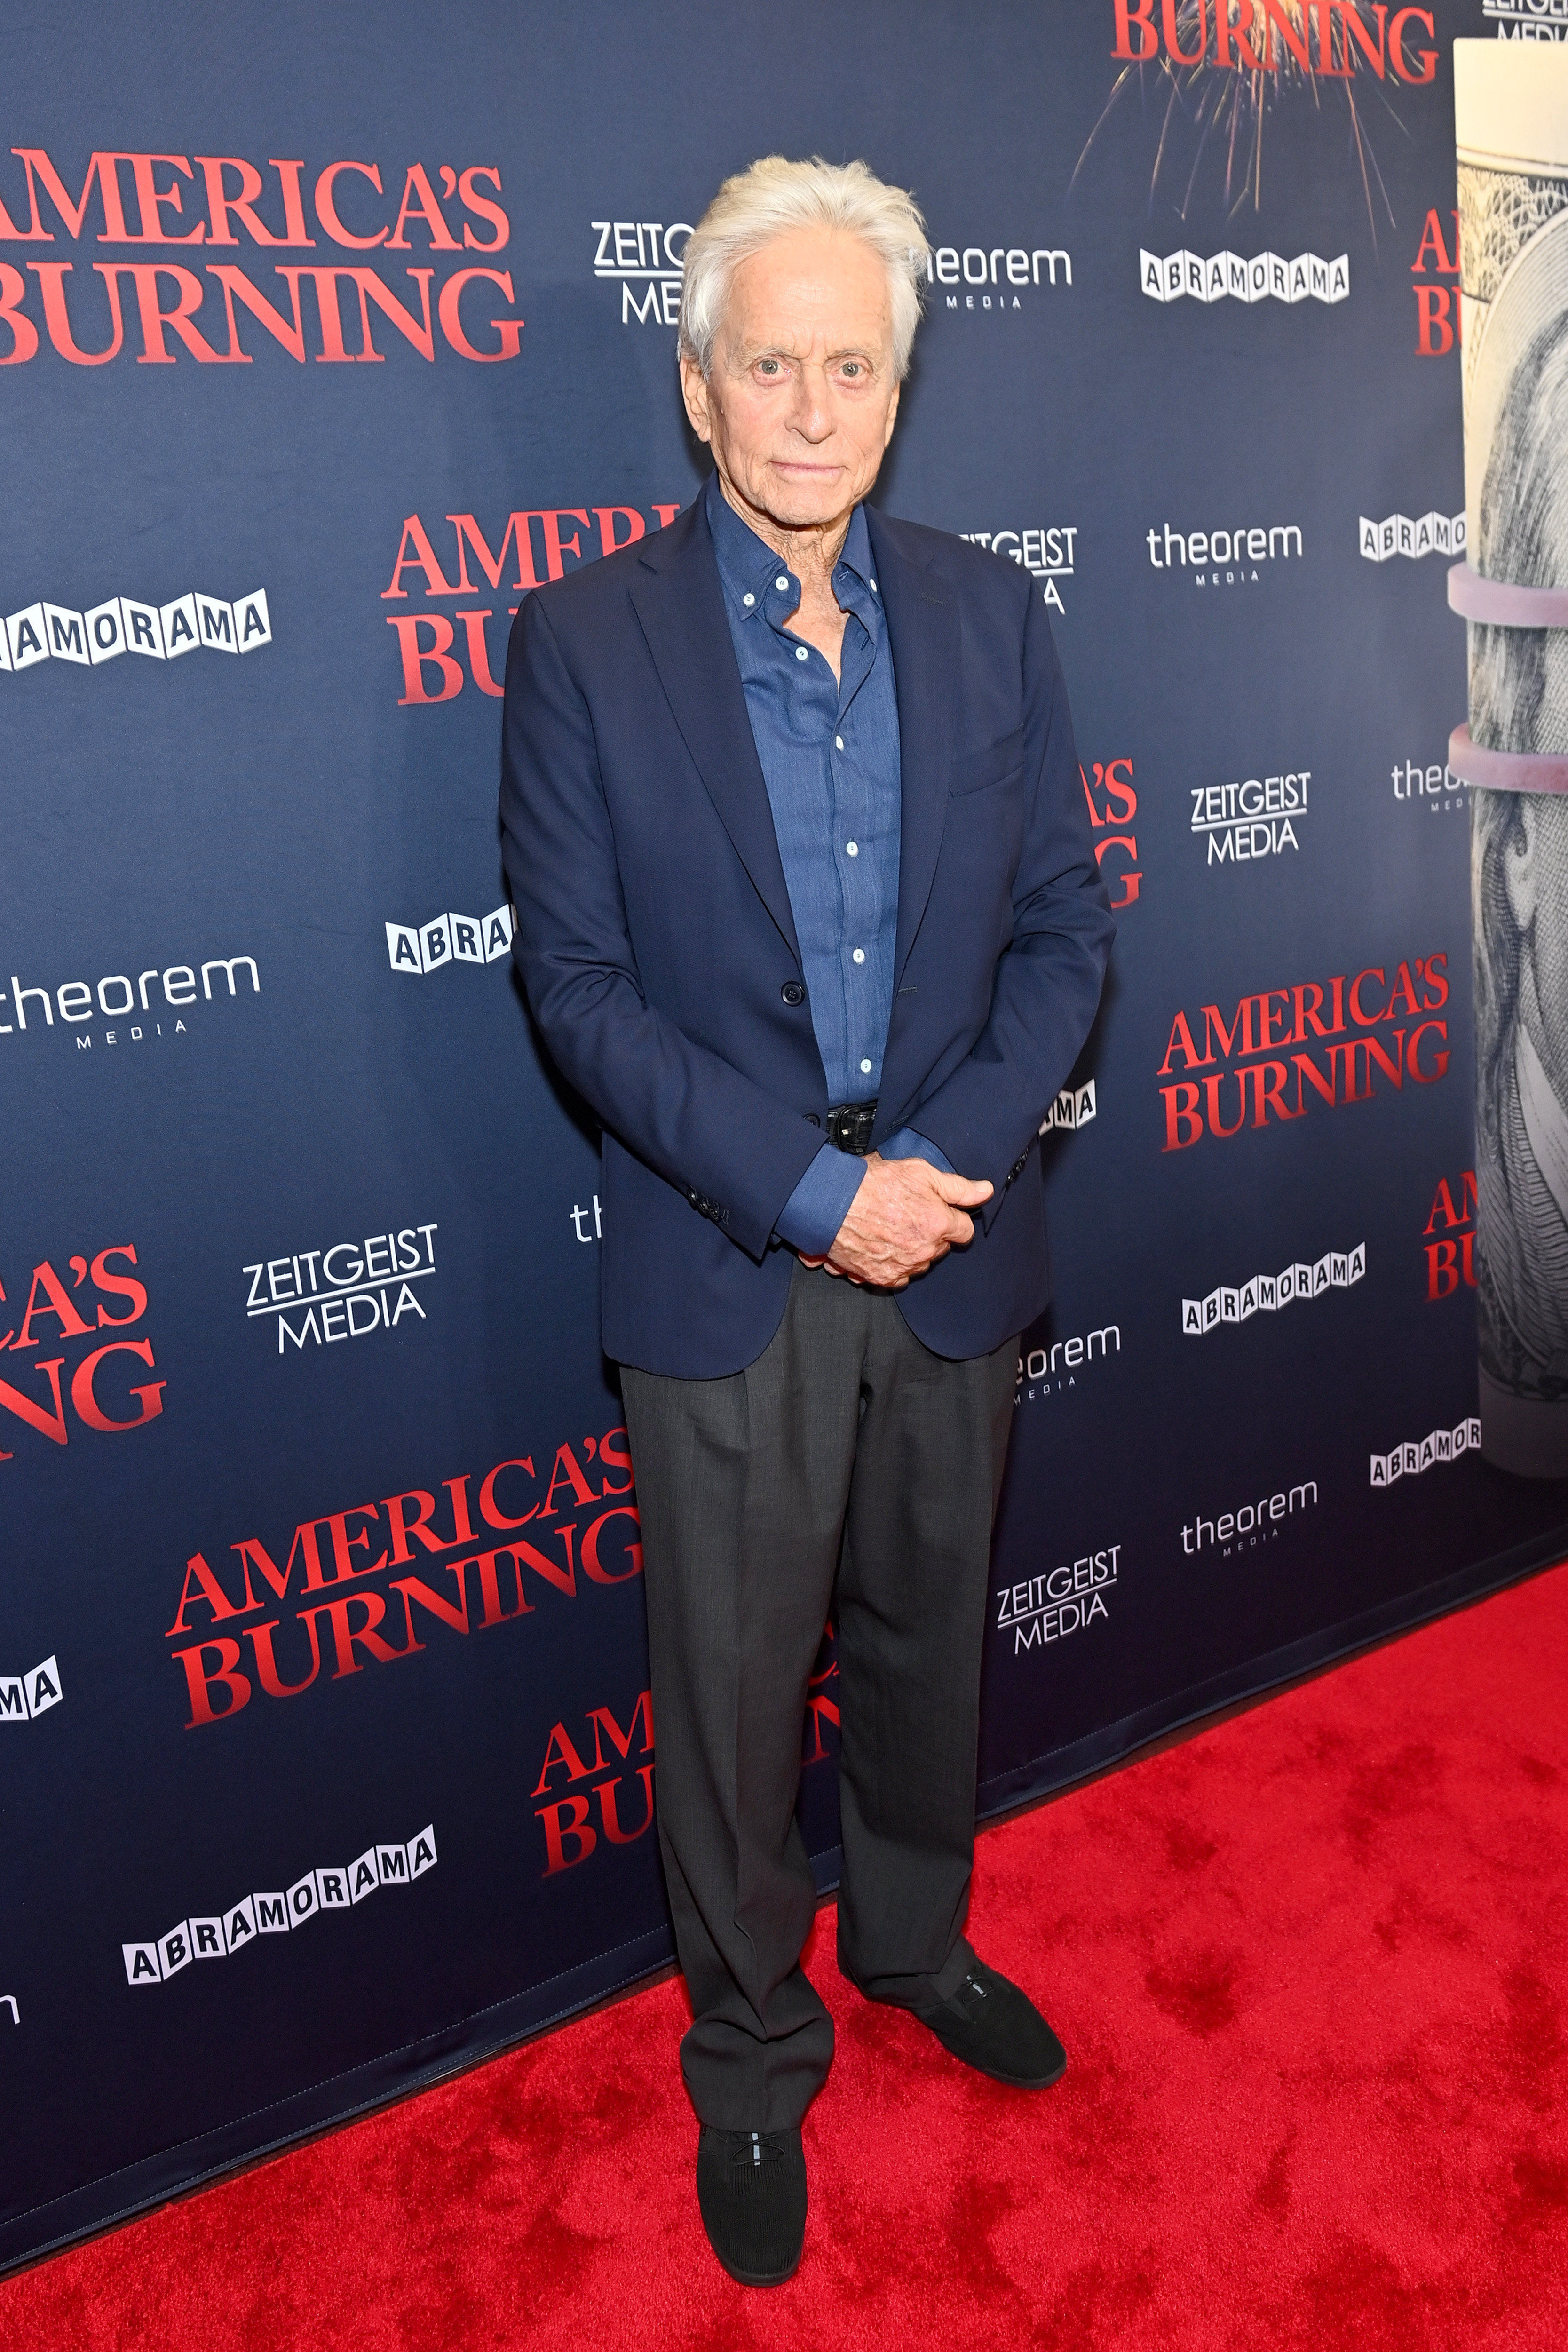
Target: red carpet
<point>1312,1970</point>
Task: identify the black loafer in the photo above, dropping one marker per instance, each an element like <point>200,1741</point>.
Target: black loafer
<point>997,2029</point>
<point>751,2187</point>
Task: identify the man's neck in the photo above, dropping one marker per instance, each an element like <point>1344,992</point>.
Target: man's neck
<point>811,551</point>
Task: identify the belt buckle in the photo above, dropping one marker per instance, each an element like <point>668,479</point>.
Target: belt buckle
<point>850,1126</point>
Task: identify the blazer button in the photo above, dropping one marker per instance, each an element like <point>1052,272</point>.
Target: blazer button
<point>793,992</point>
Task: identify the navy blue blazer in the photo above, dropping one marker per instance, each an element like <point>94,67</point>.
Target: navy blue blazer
<point>656,945</point>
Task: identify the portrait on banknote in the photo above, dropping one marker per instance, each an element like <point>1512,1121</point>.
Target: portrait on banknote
<point>1513,203</point>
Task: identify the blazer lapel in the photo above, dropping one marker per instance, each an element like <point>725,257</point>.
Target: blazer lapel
<point>680,605</point>
<point>922,630</point>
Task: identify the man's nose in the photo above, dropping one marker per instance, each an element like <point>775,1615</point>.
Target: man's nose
<point>813,414</point>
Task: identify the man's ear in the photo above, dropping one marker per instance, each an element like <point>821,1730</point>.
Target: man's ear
<point>1519,863</point>
<point>891,415</point>
<point>694,391</point>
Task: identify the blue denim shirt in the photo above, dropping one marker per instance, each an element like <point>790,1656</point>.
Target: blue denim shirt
<point>828,750</point>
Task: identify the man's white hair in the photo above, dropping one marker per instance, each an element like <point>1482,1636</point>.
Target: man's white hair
<point>774,197</point>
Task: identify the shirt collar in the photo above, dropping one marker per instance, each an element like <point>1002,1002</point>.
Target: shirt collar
<point>746,563</point>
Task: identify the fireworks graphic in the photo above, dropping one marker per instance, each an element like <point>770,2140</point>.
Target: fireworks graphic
<point>1224,115</point>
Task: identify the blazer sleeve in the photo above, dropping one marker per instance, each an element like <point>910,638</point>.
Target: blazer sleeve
<point>985,1115</point>
<point>689,1114</point>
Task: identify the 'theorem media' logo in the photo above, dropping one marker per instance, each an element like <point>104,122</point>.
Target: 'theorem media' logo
<point>139,1005</point>
<point>1250,1524</point>
<point>1224,559</point>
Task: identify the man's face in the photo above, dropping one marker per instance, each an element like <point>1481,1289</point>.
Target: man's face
<point>800,403</point>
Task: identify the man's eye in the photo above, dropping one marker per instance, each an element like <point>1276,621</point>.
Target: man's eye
<point>768,367</point>
<point>850,368</point>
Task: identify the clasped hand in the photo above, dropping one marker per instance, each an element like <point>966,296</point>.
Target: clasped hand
<point>906,1216</point>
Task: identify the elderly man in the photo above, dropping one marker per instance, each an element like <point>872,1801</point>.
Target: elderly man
<point>808,913</point>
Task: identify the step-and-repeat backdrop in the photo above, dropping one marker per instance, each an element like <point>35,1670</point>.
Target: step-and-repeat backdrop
<point>326,1753</point>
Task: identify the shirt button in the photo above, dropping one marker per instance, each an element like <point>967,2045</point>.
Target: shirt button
<point>873,587</point>
<point>839,742</point>
<point>793,992</point>
<point>860,955</point>
<point>748,600</point>
<point>782,580</point>
<point>852,848</point>
<point>866,1069</point>
<point>801,651</point>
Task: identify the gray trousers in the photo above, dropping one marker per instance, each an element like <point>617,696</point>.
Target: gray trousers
<point>846,1452</point>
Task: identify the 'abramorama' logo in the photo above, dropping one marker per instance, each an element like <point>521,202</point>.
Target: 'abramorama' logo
<point>1398,534</point>
<point>1409,1460</point>
<point>1262,278</point>
<point>190,624</point>
<point>244,1923</point>
<point>424,948</point>
<point>25,1698</point>
<point>1266,1293</point>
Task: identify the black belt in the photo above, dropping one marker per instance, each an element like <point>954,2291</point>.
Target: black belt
<point>850,1126</point>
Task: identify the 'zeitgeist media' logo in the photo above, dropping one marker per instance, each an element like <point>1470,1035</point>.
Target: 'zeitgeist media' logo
<point>1046,554</point>
<point>1258,818</point>
<point>245,1923</point>
<point>1065,1599</point>
<point>536,545</point>
<point>424,948</point>
<point>25,1698</point>
<point>137,198</point>
<point>190,624</point>
<point>352,1294</point>
<point>335,1568</point>
<point>1528,20</point>
<point>60,1314</point>
<point>1310,1014</point>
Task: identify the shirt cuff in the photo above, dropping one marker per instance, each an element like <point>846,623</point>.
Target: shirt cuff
<point>810,1217</point>
<point>908,1145</point>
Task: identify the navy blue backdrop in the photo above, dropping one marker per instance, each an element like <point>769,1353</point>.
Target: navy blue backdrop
<point>326,1761</point>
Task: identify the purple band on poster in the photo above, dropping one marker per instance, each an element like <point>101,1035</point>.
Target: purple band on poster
<point>1505,772</point>
<point>1504,604</point>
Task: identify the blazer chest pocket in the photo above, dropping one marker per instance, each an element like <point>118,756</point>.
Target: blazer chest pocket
<point>994,764</point>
